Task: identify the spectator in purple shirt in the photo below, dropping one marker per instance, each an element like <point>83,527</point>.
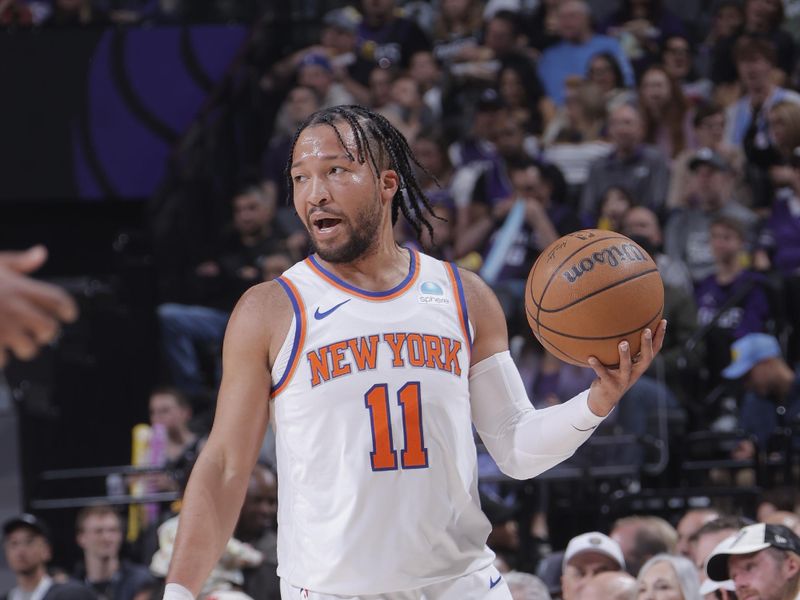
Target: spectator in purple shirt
<point>734,296</point>
<point>779,246</point>
<point>386,38</point>
<point>779,239</point>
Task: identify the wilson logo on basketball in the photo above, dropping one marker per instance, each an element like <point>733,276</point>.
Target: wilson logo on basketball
<point>612,256</point>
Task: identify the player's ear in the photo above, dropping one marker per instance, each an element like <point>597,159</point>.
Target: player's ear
<point>389,182</point>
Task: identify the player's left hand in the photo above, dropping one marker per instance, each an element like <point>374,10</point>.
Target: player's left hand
<point>611,384</point>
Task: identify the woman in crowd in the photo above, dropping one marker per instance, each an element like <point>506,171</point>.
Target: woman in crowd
<point>666,113</point>
<point>615,203</point>
<point>668,577</point>
<point>521,91</point>
<point>604,71</point>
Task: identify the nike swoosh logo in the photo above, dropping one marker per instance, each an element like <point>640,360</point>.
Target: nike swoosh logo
<point>321,315</point>
<point>495,582</point>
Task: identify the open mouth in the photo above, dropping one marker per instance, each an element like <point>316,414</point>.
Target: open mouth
<point>325,224</point>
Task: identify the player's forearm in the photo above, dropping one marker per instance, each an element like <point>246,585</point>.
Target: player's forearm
<point>523,441</point>
<point>211,505</point>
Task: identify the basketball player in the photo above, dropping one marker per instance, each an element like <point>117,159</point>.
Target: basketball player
<point>379,359</point>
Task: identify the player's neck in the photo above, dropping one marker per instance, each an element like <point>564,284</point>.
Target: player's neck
<point>381,268</point>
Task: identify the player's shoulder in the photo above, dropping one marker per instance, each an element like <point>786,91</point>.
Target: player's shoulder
<point>475,288</point>
<point>266,300</point>
<point>486,316</point>
<point>482,303</point>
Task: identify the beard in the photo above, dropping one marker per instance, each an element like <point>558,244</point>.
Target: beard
<point>362,235</point>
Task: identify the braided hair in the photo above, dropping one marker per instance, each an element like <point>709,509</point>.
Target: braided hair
<point>378,141</point>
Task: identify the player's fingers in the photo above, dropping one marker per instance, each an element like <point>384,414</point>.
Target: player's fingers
<point>23,316</point>
<point>21,344</point>
<point>51,299</point>
<point>26,261</point>
<point>599,369</point>
<point>658,337</point>
<point>646,351</point>
<point>625,361</point>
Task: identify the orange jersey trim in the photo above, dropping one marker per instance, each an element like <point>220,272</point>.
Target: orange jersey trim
<point>342,285</point>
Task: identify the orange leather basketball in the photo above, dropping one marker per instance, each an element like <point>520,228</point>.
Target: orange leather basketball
<point>590,290</point>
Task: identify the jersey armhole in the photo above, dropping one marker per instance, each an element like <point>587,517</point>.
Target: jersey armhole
<point>461,302</point>
<point>299,334</point>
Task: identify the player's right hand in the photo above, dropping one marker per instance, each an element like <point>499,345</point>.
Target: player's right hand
<point>31,312</point>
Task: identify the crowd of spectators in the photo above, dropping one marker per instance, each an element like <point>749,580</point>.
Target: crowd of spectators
<point>707,554</point>
<point>675,123</point>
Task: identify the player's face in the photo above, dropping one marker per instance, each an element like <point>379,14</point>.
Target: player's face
<point>340,200</point>
<point>758,576</point>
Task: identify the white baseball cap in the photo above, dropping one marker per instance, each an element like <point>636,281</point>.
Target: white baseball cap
<point>748,540</point>
<point>594,541</point>
<point>709,586</point>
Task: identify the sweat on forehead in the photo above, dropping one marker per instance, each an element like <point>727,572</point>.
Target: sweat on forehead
<point>358,138</point>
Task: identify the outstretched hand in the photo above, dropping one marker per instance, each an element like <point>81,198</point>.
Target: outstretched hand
<point>31,312</point>
<point>611,384</point>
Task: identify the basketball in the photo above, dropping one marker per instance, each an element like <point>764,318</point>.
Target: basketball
<point>588,291</point>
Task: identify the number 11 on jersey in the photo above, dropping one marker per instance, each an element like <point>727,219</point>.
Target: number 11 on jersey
<point>383,456</point>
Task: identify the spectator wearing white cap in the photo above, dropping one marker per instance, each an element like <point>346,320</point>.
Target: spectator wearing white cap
<point>587,555</point>
<point>702,544</point>
<point>773,389</point>
<point>762,560</point>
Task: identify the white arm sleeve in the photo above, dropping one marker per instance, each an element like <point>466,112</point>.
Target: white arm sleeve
<point>175,591</point>
<point>524,441</point>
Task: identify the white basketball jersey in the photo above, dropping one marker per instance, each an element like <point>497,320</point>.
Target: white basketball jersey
<point>377,471</point>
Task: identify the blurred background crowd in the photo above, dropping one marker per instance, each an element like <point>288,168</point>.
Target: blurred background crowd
<point>674,122</point>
